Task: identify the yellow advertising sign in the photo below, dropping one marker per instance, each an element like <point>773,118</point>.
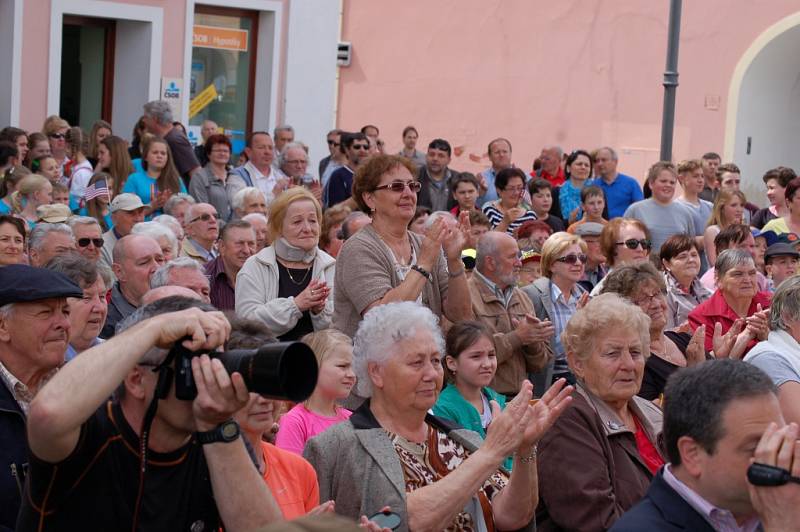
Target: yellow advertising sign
<point>232,39</point>
<point>202,100</point>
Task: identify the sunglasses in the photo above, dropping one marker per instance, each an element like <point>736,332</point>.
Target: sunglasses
<point>333,143</point>
<point>83,242</point>
<point>361,147</point>
<point>59,136</point>
<point>399,186</point>
<point>572,258</point>
<point>632,243</point>
<point>205,217</point>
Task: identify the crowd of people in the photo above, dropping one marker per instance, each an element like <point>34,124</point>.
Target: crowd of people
<point>557,348</point>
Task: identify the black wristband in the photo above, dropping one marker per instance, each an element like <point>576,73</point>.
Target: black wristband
<point>422,271</point>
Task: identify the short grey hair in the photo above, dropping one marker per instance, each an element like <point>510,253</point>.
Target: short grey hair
<point>237,202</point>
<point>611,151</point>
<point>156,230</point>
<point>486,247</point>
<point>381,329</point>
<point>282,127</point>
<point>169,221</point>
<point>160,111</point>
<point>729,259</point>
<point>39,234</point>
<point>82,220</point>
<point>284,154</point>
<point>177,199</point>
<point>161,276</point>
<point>448,216</point>
<point>558,149</point>
<point>785,304</point>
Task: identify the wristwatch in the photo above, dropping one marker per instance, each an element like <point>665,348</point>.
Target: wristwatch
<point>224,432</point>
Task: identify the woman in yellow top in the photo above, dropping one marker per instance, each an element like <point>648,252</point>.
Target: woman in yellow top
<point>791,222</point>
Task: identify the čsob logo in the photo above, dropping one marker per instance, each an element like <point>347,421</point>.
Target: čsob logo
<point>172,91</point>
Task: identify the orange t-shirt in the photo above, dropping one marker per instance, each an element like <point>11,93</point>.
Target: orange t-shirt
<point>292,481</point>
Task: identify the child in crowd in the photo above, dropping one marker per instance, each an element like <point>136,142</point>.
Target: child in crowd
<point>334,352</point>
<point>60,194</point>
<point>471,362</point>
<point>593,203</point>
<point>541,192</point>
<point>48,167</point>
<point>465,189</point>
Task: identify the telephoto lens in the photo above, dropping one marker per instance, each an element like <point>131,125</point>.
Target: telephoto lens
<point>283,370</point>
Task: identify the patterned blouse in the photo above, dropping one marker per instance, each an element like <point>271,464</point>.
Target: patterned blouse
<point>425,463</point>
<point>495,215</point>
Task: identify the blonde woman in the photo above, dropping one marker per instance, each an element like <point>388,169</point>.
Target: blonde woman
<point>100,130</point>
<point>728,210</point>
<point>287,285</point>
<point>334,352</point>
<point>32,191</point>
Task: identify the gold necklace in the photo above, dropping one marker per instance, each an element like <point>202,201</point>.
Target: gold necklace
<point>289,271</point>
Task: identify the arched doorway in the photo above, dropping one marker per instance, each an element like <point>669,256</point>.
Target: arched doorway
<point>763,117</point>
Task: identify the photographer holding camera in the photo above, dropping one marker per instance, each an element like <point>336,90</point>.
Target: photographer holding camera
<point>89,469</point>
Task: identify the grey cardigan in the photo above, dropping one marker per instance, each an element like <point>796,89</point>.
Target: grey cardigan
<point>358,467</point>
<point>539,294</point>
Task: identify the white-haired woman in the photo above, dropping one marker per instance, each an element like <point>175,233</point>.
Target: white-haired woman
<point>392,453</point>
<point>173,225</point>
<point>598,459</point>
<point>248,200</point>
<point>160,233</point>
<point>779,355</point>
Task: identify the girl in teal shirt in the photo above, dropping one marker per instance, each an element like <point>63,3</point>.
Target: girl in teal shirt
<point>158,179</point>
<point>472,362</point>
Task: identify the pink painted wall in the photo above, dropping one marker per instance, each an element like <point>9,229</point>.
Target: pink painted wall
<point>577,73</point>
<point>36,46</point>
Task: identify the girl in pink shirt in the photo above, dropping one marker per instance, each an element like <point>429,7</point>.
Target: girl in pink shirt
<point>334,351</point>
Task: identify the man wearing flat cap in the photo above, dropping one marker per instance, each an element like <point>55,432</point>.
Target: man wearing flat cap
<point>595,269</point>
<point>34,334</point>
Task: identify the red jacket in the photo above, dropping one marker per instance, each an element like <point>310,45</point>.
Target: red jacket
<point>716,309</point>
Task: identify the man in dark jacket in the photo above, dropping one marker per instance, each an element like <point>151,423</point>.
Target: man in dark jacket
<point>436,178</point>
<point>34,334</point>
<point>718,416</point>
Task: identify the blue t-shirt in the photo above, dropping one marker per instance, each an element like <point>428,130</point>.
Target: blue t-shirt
<point>620,194</point>
<point>144,186</point>
<point>4,209</point>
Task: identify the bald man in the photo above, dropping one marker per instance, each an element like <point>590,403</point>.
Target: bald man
<point>136,258</point>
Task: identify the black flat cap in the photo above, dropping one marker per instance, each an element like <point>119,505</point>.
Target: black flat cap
<point>21,284</point>
<point>781,249</point>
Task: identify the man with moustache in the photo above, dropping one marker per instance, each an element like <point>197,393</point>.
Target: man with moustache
<point>34,334</point>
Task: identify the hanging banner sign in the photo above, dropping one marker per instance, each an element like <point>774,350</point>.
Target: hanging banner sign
<point>202,100</point>
<point>232,39</point>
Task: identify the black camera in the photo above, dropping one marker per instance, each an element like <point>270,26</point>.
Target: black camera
<point>283,370</point>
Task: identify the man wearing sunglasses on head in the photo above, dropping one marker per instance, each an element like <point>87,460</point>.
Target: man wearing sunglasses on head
<point>355,146</point>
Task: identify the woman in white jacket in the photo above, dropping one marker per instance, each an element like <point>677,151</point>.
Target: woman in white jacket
<point>288,284</point>
<point>779,355</point>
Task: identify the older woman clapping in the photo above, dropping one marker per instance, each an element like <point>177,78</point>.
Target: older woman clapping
<point>385,262</point>
<point>392,453</point>
<point>643,285</point>
<point>599,457</point>
<point>737,298</point>
<point>287,285</point>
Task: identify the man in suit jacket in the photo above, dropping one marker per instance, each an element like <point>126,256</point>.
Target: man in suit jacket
<point>717,417</point>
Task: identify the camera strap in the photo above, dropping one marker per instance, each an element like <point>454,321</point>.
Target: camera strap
<point>165,376</point>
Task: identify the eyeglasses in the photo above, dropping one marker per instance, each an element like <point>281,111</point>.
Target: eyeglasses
<point>333,143</point>
<point>364,147</point>
<point>221,150</point>
<point>572,258</point>
<point>300,161</point>
<point>205,217</point>
<point>399,186</point>
<point>646,300</point>
<point>83,242</point>
<point>632,243</point>
<point>59,136</point>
